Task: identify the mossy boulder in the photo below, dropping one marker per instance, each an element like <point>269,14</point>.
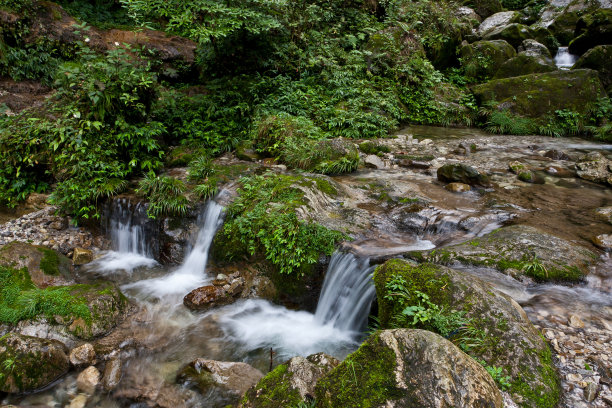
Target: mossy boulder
<point>591,30</point>
<point>459,172</point>
<point>482,59</point>
<point>537,95</point>
<point>524,64</point>
<point>29,363</point>
<point>45,266</point>
<point>290,383</point>
<point>518,250</point>
<point>600,59</point>
<point>484,8</point>
<point>497,21</point>
<point>514,34</point>
<point>500,333</point>
<point>595,167</point>
<point>408,368</point>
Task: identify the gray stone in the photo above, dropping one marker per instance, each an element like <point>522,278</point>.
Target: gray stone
<point>496,21</point>
<point>374,161</point>
<point>88,380</point>
<point>112,374</point>
<point>230,378</point>
<point>83,355</point>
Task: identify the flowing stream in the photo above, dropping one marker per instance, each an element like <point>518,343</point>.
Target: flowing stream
<point>563,59</point>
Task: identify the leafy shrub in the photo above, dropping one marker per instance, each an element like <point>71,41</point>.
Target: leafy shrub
<point>262,221</point>
<point>166,195</point>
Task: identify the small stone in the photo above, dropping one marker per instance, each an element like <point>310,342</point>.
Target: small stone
<point>82,256</point>
<point>604,241</point>
<point>88,380</point>
<point>374,161</point>
<point>78,402</point>
<point>82,355</point>
<point>590,392</point>
<point>573,377</point>
<point>112,374</point>
<point>458,187</point>
<point>426,142</point>
<point>575,322</point>
<point>221,276</point>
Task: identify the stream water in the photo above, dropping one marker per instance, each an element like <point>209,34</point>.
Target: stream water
<point>166,335</point>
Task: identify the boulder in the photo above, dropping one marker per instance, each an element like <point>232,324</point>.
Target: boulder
<point>524,64</point>
<point>514,34</point>
<point>82,355</point>
<point>227,380</point>
<point>518,250</point>
<point>533,48</point>
<point>463,173</point>
<point>30,363</point>
<point>374,161</point>
<point>537,95</point>
<point>595,167</point>
<point>207,297</point>
<point>485,8</point>
<point>591,30</point>
<point>112,374</point>
<point>497,21</point>
<point>290,383</point>
<point>482,59</point>
<point>81,256</point>
<point>494,328</point>
<point>556,155</point>
<point>88,380</point>
<point>408,368</point>
<point>46,267</point>
<point>600,59</point>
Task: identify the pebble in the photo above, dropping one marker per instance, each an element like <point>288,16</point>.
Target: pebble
<point>575,321</point>
<point>590,392</point>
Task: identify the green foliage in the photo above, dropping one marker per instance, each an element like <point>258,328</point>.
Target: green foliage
<point>262,221</point>
<point>564,123</point>
<point>166,195</point>
<point>504,122</point>
<point>369,147</point>
<point>15,5</point>
<point>535,268</point>
<point>514,4</point>
<point>497,373</point>
<point>21,300</point>
<point>104,14</point>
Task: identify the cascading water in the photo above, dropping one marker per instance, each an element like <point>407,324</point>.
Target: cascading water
<point>563,59</point>
<point>191,274</point>
<point>347,293</point>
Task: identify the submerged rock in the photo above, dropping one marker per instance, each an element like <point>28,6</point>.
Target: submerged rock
<point>518,250</point>
<point>408,368</point>
<point>458,187</point>
<point>46,267</point>
<point>462,173</point>
<point>497,329</point>
<point>210,296</point>
<point>112,374</point>
<point>229,380</point>
<point>29,363</point>
<point>81,256</point>
<point>289,383</point>
<point>88,380</point>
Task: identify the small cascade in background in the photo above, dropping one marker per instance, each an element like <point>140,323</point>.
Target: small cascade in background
<point>347,294</point>
<point>192,273</point>
<point>133,238</point>
<point>563,59</point>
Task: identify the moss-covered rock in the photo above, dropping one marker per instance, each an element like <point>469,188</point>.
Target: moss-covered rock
<point>484,8</point>
<point>408,368</point>
<point>518,250</point>
<point>497,21</point>
<point>290,383</point>
<point>537,95</point>
<point>29,363</point>
<point>482,59</point>
<point>591,30</point>
<point>595,167</point>
<point>500,333</point>
<point>524,64</point>
<point>600,59</point>
<point>45,266</point>
<point>514,34</point>
<point>459,172</point>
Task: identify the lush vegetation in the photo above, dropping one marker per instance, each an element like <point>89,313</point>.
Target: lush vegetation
<point>263,222</point>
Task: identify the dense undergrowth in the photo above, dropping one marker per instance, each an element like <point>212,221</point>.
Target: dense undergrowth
<point>284,77</point>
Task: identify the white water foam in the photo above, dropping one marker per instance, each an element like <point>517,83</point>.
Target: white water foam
<point>563,59</point>
<point>192,273</point>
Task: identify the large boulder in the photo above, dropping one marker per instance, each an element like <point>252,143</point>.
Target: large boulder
<point>46,267</point>
<point>497,21</point>
<point>592,30</point>
<point>494,328</point>
<point>595,167</point>
<point>600,59</point>
<point>463,173</point>
<point>482,59</point>
<point>518,250</point>
<point>514,33</point>
<point>484,8</point>
<point>290,383</point>
<point>408,368</point>
<point>533,48</point>
<point>29,363</point>
<point>537,95</point>
<point>524,64</point>
<point>227,380</point>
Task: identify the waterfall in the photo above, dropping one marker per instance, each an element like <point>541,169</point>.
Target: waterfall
<point>126,226</point>
<point>347,293</point>
<point>192,273</point>
<point>563,59</point>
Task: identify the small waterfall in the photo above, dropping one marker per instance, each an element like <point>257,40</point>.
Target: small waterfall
<point>126,224</point>
<point>347,293</point>
<point>563,59</point>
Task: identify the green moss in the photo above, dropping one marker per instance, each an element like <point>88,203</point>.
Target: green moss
<point>326,187</point>
<point>273,391</point>
<point>50,261</point>
<point>364,379</point>
<point>540,397</point>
